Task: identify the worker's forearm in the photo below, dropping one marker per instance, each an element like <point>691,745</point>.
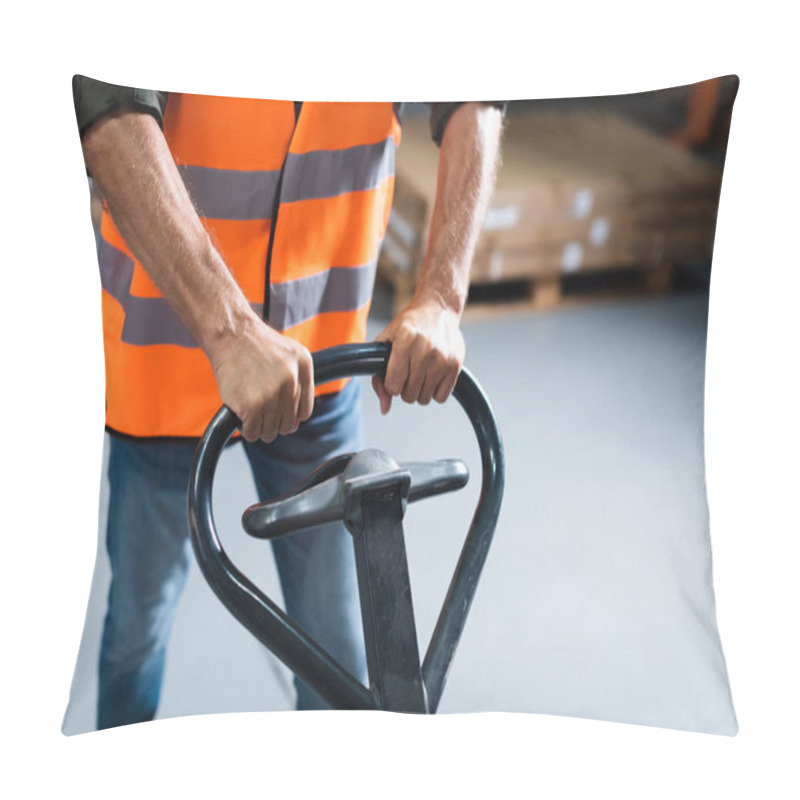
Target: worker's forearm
<point>468,164</point>
<point>129,158</point>
<point>427,344</point>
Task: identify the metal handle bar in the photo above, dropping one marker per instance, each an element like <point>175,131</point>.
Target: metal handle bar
<point>269,623</point>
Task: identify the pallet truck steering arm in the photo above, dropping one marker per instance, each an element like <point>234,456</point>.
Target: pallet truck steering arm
<point>369,492</point>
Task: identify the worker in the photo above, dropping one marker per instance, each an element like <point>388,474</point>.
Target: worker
<point>239,236</point>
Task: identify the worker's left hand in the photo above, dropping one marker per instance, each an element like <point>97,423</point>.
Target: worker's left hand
<point>427,354</point>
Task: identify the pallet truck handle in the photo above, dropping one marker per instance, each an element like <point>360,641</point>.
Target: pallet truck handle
<point>269,623</point>
<point>337,496</point>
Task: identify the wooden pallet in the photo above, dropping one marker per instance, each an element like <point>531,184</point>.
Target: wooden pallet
<point>549,292</point>
<point>563,291</point>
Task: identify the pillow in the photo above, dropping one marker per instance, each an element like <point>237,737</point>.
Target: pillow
<point>585,326</point>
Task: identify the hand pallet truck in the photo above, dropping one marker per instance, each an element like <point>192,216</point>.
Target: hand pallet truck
<point>369,491</point>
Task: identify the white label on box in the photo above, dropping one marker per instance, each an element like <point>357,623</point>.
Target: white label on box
<point>599,230</point>
<point>572,256</point>
<point>401,228</point>
<point>582,202</point>
<point>502,217</point>
<point>397,256</point>
<point>496,265</point>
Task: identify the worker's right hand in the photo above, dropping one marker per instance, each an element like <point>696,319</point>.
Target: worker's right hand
<point>266,379</point>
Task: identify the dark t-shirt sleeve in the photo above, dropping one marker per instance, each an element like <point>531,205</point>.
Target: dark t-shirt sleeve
<point>95,99</point>
<point>441,113</point>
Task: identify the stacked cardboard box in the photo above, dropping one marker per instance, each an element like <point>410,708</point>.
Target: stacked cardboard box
<point>577,190</point>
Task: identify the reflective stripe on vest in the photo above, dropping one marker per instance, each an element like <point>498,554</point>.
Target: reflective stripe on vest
<point>338,179</point>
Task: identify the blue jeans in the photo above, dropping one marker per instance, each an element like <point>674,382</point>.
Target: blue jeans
<point>150,552</point>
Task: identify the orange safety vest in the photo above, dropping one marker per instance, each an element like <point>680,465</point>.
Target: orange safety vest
<point>304,199</point>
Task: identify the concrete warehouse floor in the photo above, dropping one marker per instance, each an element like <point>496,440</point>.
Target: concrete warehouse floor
<point>601,409</point>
